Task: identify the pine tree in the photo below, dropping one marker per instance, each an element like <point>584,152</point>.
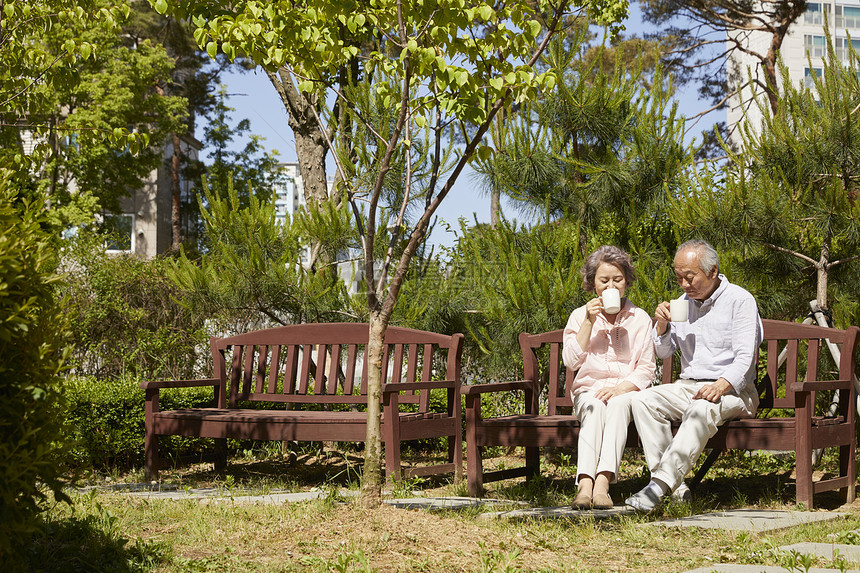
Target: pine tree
<point>599,147</point>
<point>787,204</point>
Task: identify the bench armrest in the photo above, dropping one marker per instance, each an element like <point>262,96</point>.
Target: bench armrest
<point>156,384</point>
<point>820,385</point>
<point>410,386</point>
<point>475,389</point>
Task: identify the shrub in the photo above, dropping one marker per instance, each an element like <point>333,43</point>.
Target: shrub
<point>126,317</point>
<point>106,419</point>
<point>31,357</point>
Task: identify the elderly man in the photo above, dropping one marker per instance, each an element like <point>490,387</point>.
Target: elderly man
<point>719,349</point>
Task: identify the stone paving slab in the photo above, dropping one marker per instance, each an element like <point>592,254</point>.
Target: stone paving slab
<point>851,553</point>
<point>563,511</point>
<point>734,568</point>
<point>438,503</point>
<point>750,519</point>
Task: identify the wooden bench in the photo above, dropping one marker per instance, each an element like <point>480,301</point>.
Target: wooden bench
<point>311,381</point>
<point>792,387</point>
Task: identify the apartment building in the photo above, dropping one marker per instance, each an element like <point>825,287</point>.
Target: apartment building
<point>806,37</point>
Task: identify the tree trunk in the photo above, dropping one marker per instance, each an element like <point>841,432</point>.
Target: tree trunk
<point>822,269</point>
<point>495,206</point>
<point>371,483</point>
<point>311,147</point>
<point>176,192</point>
<point>787,14</point>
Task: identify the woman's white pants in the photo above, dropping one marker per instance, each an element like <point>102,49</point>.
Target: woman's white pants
<point>602,433</point>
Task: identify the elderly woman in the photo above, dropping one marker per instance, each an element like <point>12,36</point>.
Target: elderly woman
<point>613,354</point>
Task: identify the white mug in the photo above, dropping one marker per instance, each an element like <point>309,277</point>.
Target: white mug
<point>611,300</point>
<point>679,308</point>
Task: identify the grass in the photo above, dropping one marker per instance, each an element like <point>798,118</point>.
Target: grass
<point>110,531</point>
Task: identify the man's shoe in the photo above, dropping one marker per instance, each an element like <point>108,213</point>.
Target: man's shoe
<point>682,494</point>
<point>645,500</point>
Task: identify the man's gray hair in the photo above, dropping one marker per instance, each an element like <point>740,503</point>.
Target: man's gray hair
<point>705,252</point>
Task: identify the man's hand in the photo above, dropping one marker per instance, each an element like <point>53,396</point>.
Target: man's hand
<point>663,317</point>
<point>714,391</point>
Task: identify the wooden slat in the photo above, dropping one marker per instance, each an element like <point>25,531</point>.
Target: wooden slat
<point>791,371</point>
<point>386,354</point>
<point>290,369</point>
<point>396,365</point>
<point>260,378</point>
<point>772,373</point>
<point>412,363</point>
<point>274,369</point>
<point>319,378</point>
<point>304,375</point>
<point>364,367</point>
<point>235,374</point>
<point>812,365</point>
<point>554,360</point>
<point>334,369</point>
<point>249,366</point>
<point>412,373</point>
<point>349,377</point>
<point>427,365</point>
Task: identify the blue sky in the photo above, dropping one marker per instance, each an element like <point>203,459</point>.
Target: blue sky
<point>254,98</point>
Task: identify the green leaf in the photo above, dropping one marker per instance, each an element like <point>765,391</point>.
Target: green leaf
<point>212,50</point>
<point>486,13</point>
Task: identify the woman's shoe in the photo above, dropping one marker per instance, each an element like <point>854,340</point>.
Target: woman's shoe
<point>602,501</point>
<point>581,501</point>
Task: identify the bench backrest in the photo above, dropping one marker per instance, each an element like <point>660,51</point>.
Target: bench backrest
<point>804,360</point>
<point>806,357</point>
<point>326,363</point>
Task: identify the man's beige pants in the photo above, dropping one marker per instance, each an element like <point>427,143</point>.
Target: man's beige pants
<point>668,458</point>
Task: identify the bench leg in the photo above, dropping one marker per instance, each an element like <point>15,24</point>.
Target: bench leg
<point>803,470</point>
<point>706,465</point>
<point>455,456</point>
<point>532,462</point>
<point>220,454</point>
<point>847,468</point>
<point>150,455</point>
<point>474,470</point>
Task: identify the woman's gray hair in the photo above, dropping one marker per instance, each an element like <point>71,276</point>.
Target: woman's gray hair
<point>705,253</point>
<point>610,255</point>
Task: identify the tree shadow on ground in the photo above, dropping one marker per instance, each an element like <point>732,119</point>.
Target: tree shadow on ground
<point>307,468</point>
<point>89,543</point>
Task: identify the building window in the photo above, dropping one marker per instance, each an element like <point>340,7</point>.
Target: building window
<point>119,233</point>
<point>809,73</point>
<point>847,17</point>
<point>814,14</point>
<point>843,52</point>
<point>815,46</point>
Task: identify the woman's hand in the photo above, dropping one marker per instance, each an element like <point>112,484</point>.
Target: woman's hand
<point>593,308</point>
<point>607,393</point>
